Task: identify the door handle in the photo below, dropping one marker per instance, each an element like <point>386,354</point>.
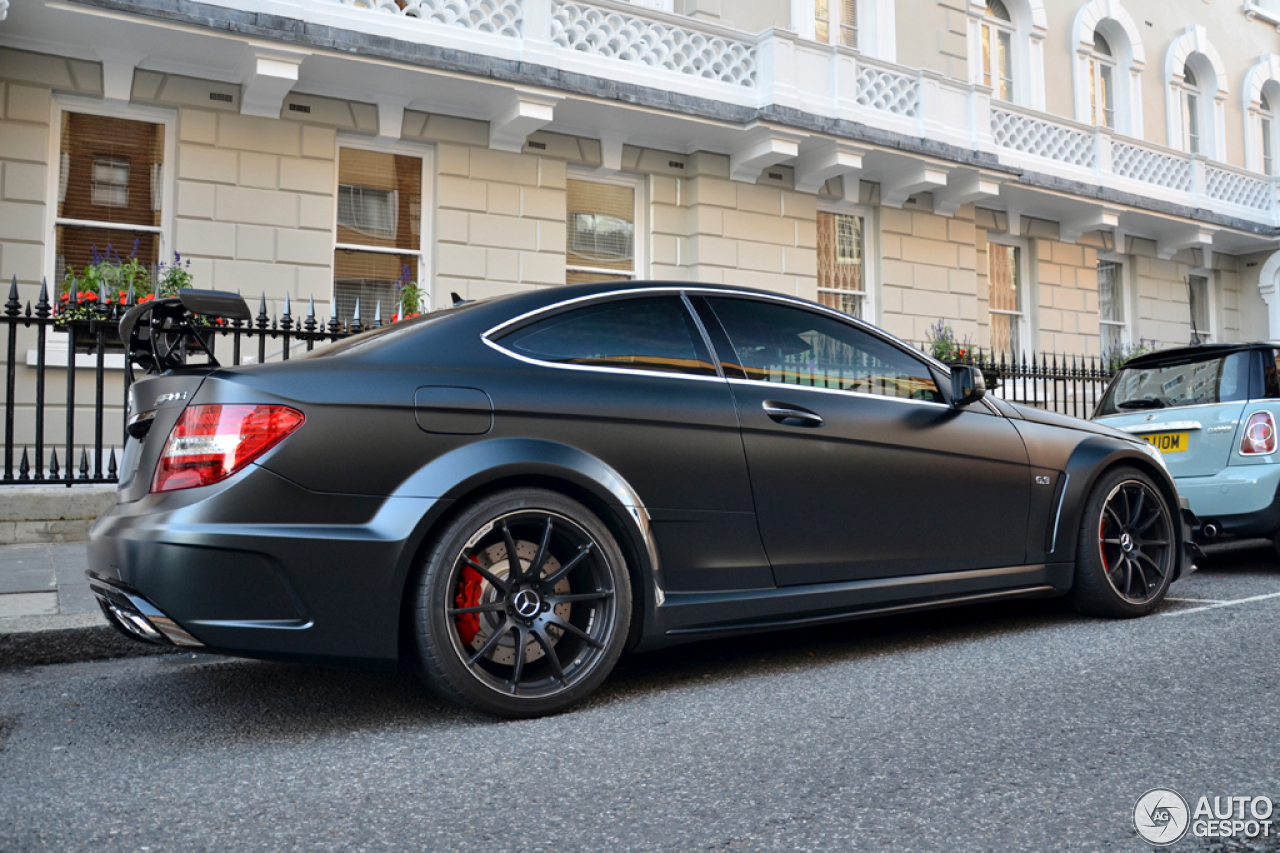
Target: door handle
<point>785,413</point>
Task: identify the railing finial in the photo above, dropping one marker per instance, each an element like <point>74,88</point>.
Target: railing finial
<point>42,302</point>
<point>14,305</point>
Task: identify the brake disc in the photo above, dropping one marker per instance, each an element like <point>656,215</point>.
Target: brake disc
<point>494,558</point>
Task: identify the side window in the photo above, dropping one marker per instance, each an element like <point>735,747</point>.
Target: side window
<point>792,346</point>
<point>655,333</point>
<point>1271,373</point>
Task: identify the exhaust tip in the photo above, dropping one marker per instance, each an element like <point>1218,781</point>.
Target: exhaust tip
<point>1209,530</point>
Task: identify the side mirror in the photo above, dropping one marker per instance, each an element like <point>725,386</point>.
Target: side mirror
<point>967,385</point>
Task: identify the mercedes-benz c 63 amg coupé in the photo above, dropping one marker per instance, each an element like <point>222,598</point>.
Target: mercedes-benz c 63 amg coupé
<point>511,493</point>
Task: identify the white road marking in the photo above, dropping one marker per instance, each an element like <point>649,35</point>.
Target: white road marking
<point>1198,600</point>
<point>1224,604</point>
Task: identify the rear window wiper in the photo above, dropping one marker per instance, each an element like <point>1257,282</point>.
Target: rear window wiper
<point>1144,403</point>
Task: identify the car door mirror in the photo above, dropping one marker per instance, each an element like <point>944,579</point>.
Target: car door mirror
<point>967,385</point>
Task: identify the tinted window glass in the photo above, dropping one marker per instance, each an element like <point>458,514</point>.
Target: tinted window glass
<point>777,343</point>
<point>1189,382</point>
<point>639,334</point>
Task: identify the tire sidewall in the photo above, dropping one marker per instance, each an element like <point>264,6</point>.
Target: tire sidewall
<point>444,671</point>
<point>1093,592</point>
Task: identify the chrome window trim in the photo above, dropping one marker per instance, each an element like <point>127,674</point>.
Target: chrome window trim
<point>678,290</point>
<point>863,394</point>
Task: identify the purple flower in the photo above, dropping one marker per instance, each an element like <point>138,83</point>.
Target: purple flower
<point>134,253</point>
<point>97,257</point>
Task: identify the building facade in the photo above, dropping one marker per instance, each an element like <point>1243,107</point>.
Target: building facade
<point>1068,177</point>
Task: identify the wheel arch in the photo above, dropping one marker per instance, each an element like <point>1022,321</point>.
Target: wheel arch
<point>477,470</point>
<point>1092,459</point>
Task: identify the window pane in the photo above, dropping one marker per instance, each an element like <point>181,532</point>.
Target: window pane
<point>1191,122</point>
<point>600,226</point>
<point>840,262</point>
<point>1006,66</point>
<point>1221,379</point>
<point>1198,288</point>
<point>79,247</point>
<point>849,23</point>
<point>379,199</point>
<point>110,170</point>
<point>986,55</point>
<point>638,334</point>
<point>1266,147</point>
<point>1004,334</point>
<point>586,276</point>
<point>1110,303</point>
<point>1002,265</point>
<point>373,278</point>
<point>1093,91</point>
<point>821,20</point>
<point>1108,105</point>
<point>777,343</point>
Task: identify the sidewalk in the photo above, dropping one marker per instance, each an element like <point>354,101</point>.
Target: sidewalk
<point>48,614</point>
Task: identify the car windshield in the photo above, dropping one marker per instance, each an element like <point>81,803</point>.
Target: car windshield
<point>1186,382</point>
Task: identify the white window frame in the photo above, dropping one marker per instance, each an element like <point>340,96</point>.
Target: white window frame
<point>1128,59</point>
<point>1209,335</point>
<point>877,26</point>
<point>1029,28</point>
<point>1025,316</point>
<point>152,115</point>
<point>1103,67</point>
<point>1193,49</point>
<point>641,238</point>
<point>426,220</point>
<point>1124,298</point>
<point>1191,104</point>
<point>870,255</point>
<point>990,29</point>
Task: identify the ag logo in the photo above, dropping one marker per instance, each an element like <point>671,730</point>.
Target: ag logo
<point>1161,817</point>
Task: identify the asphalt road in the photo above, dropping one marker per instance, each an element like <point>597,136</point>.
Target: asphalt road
<point>1018,727</point>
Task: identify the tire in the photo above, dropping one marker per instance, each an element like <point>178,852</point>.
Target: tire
<point>1128,547</point>
<point>536,644</point>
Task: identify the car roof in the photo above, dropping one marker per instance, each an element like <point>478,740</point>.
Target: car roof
<point>1196,352</point>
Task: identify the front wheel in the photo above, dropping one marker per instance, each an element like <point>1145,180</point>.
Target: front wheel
<point>1128,547</point>
<point>523,605</point>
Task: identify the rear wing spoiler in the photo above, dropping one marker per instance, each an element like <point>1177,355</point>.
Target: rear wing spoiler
<point>156,333</point>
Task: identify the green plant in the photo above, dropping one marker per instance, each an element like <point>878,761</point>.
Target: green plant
<point>944,345</point>
<point>410,296</point>
<point>170,278</point>
<point>1114,358</point>
<point>110,279</point>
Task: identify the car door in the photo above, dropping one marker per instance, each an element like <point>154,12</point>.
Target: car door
<point>859,467</point>
<point>628,381</point>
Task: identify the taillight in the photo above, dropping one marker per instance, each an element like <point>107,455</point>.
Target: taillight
<point>210,443</point>
<point>1259,435</point>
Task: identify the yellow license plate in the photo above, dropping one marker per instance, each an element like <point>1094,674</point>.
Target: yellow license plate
<point>1168,442</point>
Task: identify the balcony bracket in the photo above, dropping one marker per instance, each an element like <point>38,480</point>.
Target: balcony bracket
<point>895,189</point>
<point>1191,237</point>
<point>827,160</point>
<point>965,186</point>
<point>267,76</point>
<point>1072,228</point>
<point>523,113</point>
<point>764,148</point>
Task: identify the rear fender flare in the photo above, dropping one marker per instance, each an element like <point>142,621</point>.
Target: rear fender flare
<point>466,470</point>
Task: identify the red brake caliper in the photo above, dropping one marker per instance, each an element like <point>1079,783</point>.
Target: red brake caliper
<point>1102,547</point>
<point>469,589</point>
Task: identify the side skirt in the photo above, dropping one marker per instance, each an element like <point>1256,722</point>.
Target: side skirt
<point>686,616</point>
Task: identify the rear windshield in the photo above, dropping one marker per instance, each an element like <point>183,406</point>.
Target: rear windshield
<point>1223,379</point>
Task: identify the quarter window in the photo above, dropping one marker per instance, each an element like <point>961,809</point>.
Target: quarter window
<point>792,346</point>
<point>841,264</point>
<point>110,191</point>
<point>378,245</point>
<point>636,334</point>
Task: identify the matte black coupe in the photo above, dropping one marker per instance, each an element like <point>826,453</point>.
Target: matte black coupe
<point>511,493</point>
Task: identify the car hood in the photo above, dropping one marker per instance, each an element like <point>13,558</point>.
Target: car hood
<point>1040,416</point>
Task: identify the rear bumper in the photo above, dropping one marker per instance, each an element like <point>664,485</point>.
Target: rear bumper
<point>1240,501</point>
<point>260,567</point>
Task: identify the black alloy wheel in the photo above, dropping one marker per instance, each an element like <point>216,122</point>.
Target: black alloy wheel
<point>526,636</point>
<point>1128,548</point>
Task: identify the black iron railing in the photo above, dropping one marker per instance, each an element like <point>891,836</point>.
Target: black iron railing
<point>1068,385</point>
<point>38,423</point>
<point>93,346</point>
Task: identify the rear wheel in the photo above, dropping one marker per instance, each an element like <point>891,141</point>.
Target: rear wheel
<point>1128,547</point>
<point>526,635</point>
